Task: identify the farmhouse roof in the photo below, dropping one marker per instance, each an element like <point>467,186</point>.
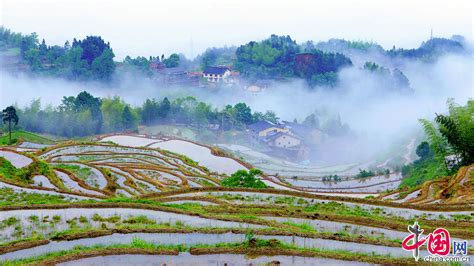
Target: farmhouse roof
<point>216,70</point>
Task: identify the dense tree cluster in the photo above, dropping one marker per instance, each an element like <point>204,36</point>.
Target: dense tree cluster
<point>82,115</point>
<point>277,57</point>
<point>344,46</point>
<point>190,111</point>
<point>85,115</point>
<point>217,57</point>
<point>430,49</point>
<point>272,57</point>
<point>392,79</point>
<point>282,57</point>
<point>88,59</point>
<point>320,68</point>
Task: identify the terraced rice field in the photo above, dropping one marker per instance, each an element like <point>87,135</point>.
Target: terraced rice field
<point>142,200</point>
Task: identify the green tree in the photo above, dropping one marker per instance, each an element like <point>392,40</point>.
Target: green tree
<point>128,119</point>
<point>103,66</point>
<point>243,178</point>
<point>85,101</point>
<point>457,129</point>
<point>311,121</point>
<point>150,111</point>
<point>78,67</point>
<point>32,56</point>
<point>201,113</point>
<point>112,111</point>
<point>424,151</point>
<point>243,113</point>
<point>9,116</point>
<point>164,108</point>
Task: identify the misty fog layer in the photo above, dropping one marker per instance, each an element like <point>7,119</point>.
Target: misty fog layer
<point>374,113</point>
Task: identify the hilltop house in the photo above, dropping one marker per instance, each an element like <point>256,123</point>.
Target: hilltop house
<point>217,74</point>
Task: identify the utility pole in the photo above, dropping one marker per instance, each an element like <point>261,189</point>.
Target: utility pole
<point>191,48</point>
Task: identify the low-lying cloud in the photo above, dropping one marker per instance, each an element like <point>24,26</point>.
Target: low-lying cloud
<point>376,114</point>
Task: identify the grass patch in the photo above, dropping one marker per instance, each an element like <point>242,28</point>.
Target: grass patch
<point>25,175</point>
<point>9,197</point>
<point>24,136</point>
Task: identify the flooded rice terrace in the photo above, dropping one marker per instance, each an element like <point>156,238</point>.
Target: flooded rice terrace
<point>191,239</point>
<point>217,260</point>
<point>175,174</point>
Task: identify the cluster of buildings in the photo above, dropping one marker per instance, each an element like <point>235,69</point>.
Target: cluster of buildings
<point>288,139</point>
<point>211,77</point>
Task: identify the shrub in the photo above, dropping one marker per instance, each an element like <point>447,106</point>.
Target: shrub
<point>244,178</point>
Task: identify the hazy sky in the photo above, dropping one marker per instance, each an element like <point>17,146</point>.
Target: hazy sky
<point>139,27</point>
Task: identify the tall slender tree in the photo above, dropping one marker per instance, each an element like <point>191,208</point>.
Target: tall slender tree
<point>9,116</point>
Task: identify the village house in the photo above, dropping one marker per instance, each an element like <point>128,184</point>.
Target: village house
<point>262,129</point>
<point>217,74</point>
<point>283,140</point>
<point>280,139</point>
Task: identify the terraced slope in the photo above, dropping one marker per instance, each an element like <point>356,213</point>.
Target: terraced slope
<point>457,189</point>
<point>126,197</point>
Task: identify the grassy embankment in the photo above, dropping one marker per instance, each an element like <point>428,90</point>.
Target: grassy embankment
<point>419,172</point>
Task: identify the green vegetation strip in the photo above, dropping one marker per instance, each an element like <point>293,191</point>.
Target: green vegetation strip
<point>252,246</point>
<point>9,197</point>
<point>312,196</point>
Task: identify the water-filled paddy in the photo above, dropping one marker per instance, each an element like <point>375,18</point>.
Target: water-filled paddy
<point>202,155</point>
<point>158,216</point>
<point>218,260</point>
<point>73,185</point>
<point>132,141</point>
<point>199,238</point>
<point>16,159</point>
<point>37,191</point>
<point>371,184</point>
<point>42,181</point>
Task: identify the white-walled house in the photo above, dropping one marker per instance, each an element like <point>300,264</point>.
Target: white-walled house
<point>263,129</point>
<point>283,140</point>
<point>217,74</point>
